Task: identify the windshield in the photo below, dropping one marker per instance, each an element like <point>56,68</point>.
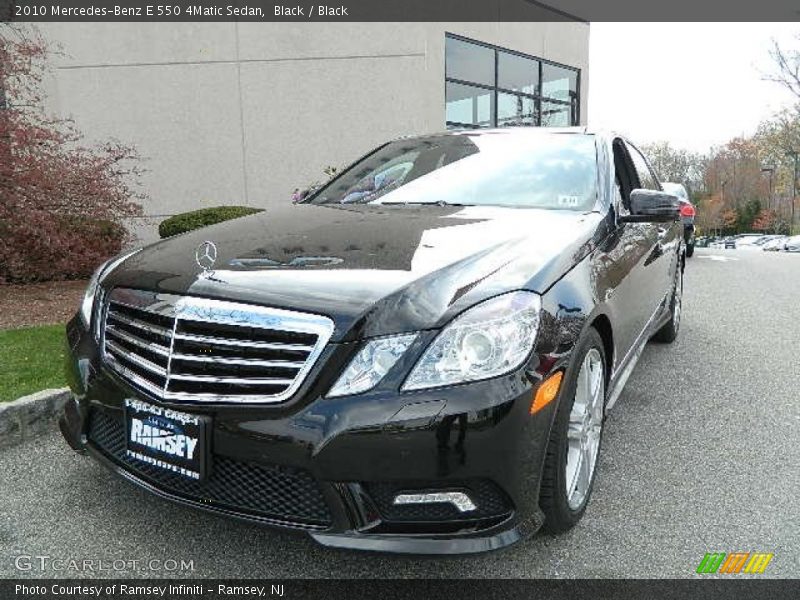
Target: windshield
<point>532,170</point>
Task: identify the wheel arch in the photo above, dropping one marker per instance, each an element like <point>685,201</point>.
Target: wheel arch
<point>602,324</point>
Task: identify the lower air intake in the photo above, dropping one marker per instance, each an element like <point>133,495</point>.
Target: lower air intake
<point>284,494</point>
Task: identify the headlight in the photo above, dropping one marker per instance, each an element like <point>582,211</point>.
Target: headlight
<point>371,363</point>
<point>490,339</point>
<point>97,277</point>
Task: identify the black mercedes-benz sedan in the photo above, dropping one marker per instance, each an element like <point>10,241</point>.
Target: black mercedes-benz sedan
<point>416,358</point>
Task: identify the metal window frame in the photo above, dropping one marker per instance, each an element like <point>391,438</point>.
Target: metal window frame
<point>575,105</point>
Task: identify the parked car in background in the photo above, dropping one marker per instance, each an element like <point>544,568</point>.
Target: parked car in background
<point>792,244</point>
<point>775,244</point>
<point>729,243</point>
<point>417,363</point>
<point>764,239</point>
<point>748,241</point>
<point>688,213</point>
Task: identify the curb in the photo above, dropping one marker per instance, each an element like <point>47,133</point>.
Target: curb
<point>30,416</point>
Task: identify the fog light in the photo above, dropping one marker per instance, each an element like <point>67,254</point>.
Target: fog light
<point>460,500</point>
<point>547,392</point>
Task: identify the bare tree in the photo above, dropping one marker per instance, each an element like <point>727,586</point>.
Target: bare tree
<point>787,65</point>
<point>677,164</point>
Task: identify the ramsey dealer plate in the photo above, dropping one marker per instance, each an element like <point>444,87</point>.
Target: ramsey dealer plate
<point>165,438</point>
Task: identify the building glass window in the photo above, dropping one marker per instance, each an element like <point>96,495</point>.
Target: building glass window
<point>486,86</point>
<point>559,83</point>
<point>515,109</point>
<point>468,105</point>
<point>556,114</point>
<point>518,73</point>
<point>469,62</point>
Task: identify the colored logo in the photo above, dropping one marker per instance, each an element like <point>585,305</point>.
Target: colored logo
<point>735,562</point>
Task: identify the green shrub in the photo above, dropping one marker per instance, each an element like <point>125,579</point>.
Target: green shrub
<point>196,219</point>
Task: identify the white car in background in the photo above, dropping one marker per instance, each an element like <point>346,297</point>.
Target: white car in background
<point>762,241</point>
<point>775,244</point>
<point>792,244</point>
<point>748,241</point>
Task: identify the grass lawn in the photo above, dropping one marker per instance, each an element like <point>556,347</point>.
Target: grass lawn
<point>31,359</point>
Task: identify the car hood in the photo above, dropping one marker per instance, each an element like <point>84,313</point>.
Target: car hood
<point>374,270</point>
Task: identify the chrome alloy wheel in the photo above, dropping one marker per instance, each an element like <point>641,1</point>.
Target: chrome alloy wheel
<point>677,300</point>
<point>584,428</point>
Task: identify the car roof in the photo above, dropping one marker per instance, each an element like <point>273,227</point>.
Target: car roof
<point>514,131</point>
<point>521,130</point>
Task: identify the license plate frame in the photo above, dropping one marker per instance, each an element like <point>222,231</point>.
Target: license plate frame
<point>171,440</point>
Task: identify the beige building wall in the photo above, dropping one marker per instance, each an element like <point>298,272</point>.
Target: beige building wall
<point>242,113</point>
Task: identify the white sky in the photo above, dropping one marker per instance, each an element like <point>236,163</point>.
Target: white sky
<point>692,84</point>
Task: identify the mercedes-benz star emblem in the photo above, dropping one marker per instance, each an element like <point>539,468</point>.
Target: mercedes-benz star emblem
<point>206,255</point>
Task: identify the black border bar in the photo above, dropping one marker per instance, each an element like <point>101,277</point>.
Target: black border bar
<point>741,588</point>
<point>581,11</point>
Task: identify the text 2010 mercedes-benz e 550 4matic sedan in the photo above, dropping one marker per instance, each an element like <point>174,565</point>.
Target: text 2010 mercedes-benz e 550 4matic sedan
<point>418,357</point>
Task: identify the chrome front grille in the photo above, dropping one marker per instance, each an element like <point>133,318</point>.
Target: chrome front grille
<point>201,350</point>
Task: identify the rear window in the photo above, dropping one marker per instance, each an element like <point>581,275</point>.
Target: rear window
<point>676,189</point>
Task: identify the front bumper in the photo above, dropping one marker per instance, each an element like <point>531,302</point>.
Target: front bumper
<point>332,467</point>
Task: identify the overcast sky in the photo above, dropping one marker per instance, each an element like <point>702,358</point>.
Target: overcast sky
<point>692,84</point>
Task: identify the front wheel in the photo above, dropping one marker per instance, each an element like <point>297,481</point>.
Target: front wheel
<point>574,443</point>
<point>668,333</point>
<point>689,249</point>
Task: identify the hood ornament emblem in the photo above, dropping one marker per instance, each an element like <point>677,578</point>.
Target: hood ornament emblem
<point>206,256</point>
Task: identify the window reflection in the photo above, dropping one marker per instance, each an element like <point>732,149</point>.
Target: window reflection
<point>559,83</point>
<point>469,62</point>
<point>556,114</point>
<point>513,109</point>
<point>517,73</point>
<point>468,106</point>
<point>542,170</point>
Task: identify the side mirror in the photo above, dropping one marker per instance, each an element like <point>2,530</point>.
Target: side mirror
<point>652,206</point>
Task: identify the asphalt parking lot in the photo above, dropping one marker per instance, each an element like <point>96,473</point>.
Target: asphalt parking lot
<point>700,455</point>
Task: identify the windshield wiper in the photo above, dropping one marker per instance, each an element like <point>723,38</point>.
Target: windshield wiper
<point>437,203</point>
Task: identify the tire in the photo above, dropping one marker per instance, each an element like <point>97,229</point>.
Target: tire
<point>668,333</point>
<point>565,457</point>
<point>689,250</point>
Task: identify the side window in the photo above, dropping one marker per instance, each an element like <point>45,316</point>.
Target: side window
<point>617,199</point>
<point>646,178</point>
<point>623,176</point>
